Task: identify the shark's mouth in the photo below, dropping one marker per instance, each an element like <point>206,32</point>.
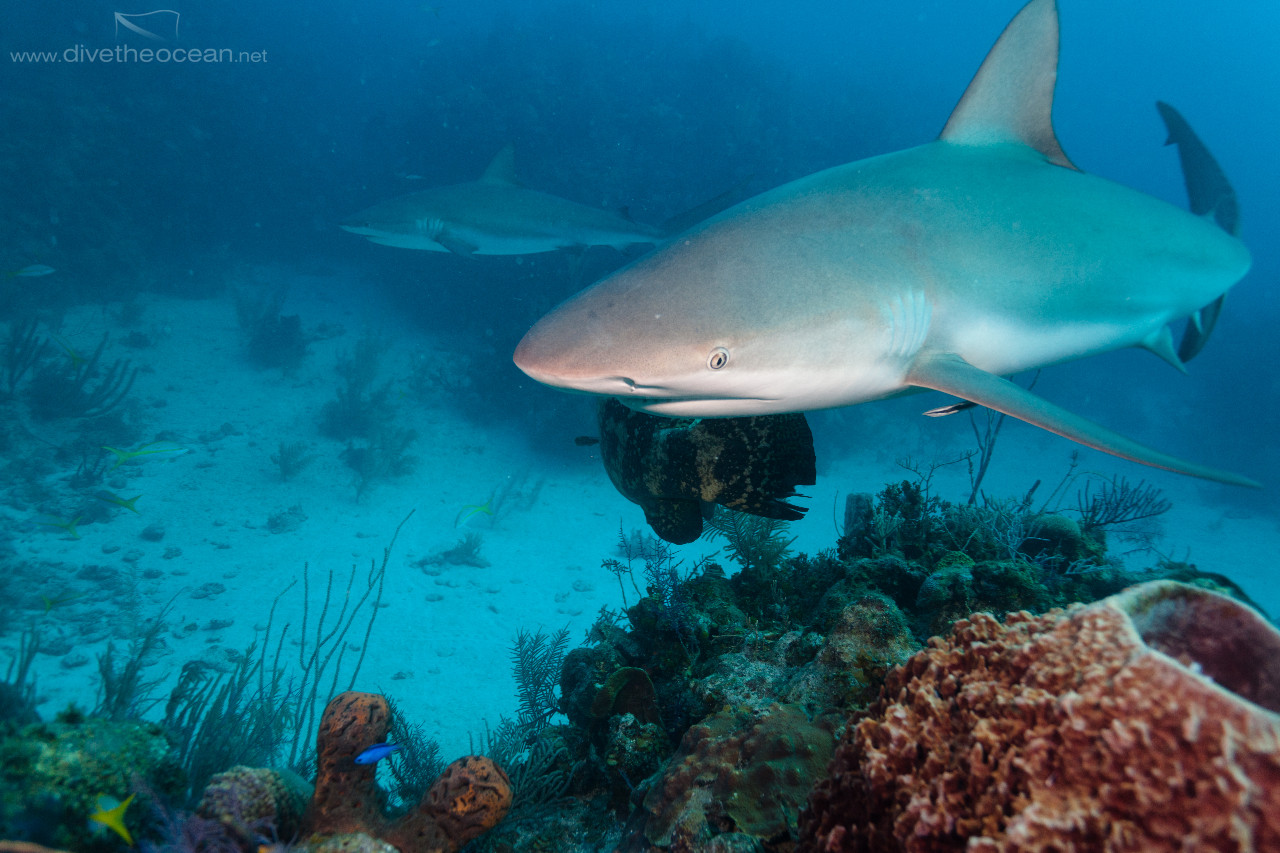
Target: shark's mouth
<point>690,406</point>
<point>651,397</point>
<point>658,399</point>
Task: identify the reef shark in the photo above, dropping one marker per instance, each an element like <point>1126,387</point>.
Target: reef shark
<point>496,215</point>
<point>947,267</point>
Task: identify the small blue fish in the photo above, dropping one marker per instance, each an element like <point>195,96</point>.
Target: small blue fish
<point>377,752</point>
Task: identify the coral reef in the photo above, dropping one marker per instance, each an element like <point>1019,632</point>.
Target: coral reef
<point>1150,720</point>
<point>704,656</point>
<point>246,799</point>
<point>950,560</point>
<point>53,774</point>
<point>867,638</point>
<point>468,799</point>
<point>701,716</point>
<point>359,410</point>
<point>273,339</point>
<point>754,710</point>
<point>79,387</point>
<point>291,458</point>
<point>738,773</point>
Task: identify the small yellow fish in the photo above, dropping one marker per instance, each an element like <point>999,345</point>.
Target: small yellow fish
<point>472,510</point>
<point>63,524</point>
<point>112,817</point>
<point>123,503</point>
<point>50,603</point>
<point>151,450</point>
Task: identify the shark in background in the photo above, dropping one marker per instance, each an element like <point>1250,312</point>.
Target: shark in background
<point>497,215</point>
<point>947,267</point>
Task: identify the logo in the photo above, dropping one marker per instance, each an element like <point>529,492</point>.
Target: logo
<point>157,24</point>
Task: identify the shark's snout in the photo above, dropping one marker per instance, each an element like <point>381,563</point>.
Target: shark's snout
<point>556,353</point>
<point>542,355</point>
<point>531,359</point>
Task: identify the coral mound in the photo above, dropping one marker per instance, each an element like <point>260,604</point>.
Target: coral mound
<point>468,799</point>
<point>246,799</point>
<point>738,774</point>
<point>1147,721</point>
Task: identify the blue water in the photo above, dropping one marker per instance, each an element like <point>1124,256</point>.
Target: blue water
<point>139,169</point>
<point>167,179</point>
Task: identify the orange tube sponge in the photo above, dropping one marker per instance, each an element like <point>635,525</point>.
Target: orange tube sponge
<point>346,798</point>
<point>468,799</point>
<point>1147,721</point>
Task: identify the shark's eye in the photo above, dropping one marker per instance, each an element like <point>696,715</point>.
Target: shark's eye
<point>719,358</point>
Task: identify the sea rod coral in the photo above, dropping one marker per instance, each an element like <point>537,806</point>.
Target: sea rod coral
<point>1147,721</point>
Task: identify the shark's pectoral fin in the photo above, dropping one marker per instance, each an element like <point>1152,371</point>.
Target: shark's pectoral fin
<point>951,374</point>
<point>1198,329</point>
<point>1160,342</point>
<point>454,243</point>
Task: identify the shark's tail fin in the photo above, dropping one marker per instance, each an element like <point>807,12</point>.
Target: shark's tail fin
<point>1208,189</point>
<point>1211,195</point>
<point>709,208</point>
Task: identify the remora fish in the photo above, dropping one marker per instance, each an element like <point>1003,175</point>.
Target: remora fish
<point>945,267</point>
<point>496,215</point>
<point>675,469</point>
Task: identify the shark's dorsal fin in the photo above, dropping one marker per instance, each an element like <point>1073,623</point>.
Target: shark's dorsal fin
<point>502,169</point>
<point>1010,99</point>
